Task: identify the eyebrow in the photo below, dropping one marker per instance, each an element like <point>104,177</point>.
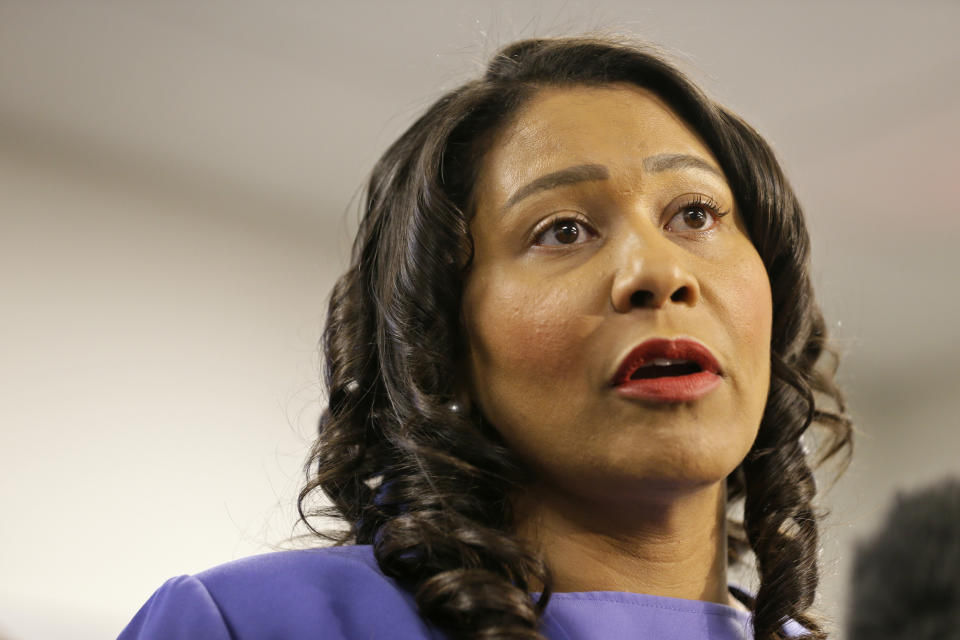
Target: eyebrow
<point>674,161</point>
<point>570,175</point>
<point>588,172</point>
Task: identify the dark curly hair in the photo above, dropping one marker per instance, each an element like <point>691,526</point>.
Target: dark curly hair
<point>427,487</point>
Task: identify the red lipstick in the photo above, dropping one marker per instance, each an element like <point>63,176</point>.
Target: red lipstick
<point>664,370</point>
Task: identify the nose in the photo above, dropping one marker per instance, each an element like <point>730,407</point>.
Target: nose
<point>652,277</point>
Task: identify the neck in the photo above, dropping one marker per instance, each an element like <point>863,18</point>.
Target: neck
<point>674,545</point>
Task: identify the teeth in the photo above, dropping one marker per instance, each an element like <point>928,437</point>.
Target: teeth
<point>665,362</point>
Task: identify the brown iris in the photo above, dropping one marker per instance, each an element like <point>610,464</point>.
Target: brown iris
<point>567,230</point>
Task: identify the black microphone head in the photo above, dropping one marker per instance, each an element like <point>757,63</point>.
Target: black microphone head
<point>906,578</point>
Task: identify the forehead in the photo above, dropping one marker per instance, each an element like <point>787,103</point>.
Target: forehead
<point>616,126</point>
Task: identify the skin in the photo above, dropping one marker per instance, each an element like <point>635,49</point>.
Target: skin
<point>629,495</point>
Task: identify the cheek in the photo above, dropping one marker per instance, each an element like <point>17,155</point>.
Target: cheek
<point>520,330</point>
<point>750,311</point>
<point>758,308</point>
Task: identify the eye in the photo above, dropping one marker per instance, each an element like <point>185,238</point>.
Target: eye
<point>563,230</point>
<point>696,213</point>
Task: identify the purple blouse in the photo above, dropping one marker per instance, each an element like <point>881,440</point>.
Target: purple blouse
<point>339,593</point>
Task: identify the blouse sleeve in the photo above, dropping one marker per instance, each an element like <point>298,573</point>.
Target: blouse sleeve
<point>180,609</point>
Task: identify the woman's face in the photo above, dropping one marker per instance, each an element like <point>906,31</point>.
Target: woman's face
<point>637,238</point>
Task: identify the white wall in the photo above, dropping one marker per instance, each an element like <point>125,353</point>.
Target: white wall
<point>159,388</point>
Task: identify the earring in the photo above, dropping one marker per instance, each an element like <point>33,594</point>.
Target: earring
<point>455,407</point>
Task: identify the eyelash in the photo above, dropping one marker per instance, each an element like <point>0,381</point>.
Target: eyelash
<point>705,201</point>
<point>695,200</point>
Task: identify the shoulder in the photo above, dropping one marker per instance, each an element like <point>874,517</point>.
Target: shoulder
<point>282,571</point>
<point>288,594</point>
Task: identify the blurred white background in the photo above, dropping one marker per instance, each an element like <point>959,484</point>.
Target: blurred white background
<point>176,185</point>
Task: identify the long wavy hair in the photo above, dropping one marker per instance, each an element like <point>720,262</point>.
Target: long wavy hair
<point>428,487</point>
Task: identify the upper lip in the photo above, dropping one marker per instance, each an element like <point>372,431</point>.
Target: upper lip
<point>676,349</point>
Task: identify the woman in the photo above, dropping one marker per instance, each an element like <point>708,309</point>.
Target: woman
<point>578,327</point>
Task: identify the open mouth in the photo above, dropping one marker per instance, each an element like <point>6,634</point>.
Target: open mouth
<point>668,371</point>
<point>657,362</point>
<point>664,367</point>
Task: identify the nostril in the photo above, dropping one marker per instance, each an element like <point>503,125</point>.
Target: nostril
<point>641,298</point>
<point>645,298</point>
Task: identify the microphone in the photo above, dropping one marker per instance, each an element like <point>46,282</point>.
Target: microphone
<point>906,578</point>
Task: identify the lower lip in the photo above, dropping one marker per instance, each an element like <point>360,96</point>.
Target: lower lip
<point>671,388</point>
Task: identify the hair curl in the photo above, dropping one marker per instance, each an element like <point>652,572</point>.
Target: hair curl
<point>428,488</point>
